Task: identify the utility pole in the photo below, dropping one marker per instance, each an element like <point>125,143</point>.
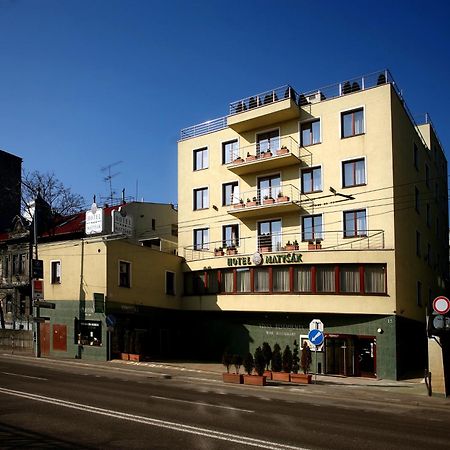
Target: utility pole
<point>35,245</point>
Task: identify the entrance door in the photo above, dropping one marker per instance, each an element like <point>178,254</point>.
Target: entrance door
<point>339,353</point>
<point>366,357</point>
<point>44,334</point>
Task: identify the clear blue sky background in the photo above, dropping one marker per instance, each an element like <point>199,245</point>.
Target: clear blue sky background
<point>86,83</point>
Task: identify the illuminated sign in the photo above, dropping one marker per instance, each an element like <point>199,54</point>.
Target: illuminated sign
<point>285,258</point>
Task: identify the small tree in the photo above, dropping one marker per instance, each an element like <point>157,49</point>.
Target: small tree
<point>276,358</point>
<point>236,360</point>
<point>287,359</point>
<point>260,362</point>
<point>249,363</point>
<point>295,359</point>
<point>227,360</point>
<point>267,352</point>
<point>305,361</point>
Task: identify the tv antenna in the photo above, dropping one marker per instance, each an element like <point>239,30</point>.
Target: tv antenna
<point>108,178</point>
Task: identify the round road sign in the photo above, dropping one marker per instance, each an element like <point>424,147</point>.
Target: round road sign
<point>441,305</point>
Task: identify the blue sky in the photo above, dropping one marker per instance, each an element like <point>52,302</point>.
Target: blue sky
<point>87,83</point>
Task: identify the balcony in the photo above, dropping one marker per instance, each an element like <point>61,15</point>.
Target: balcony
<point>263,109</point>
<point>268,244</point>
<point>261,202</point>
<point>279,152</point>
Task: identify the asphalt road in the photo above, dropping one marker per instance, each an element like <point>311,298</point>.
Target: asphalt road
<point>67,405</point>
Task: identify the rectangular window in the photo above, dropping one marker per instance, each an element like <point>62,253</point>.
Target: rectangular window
<point>16,265</point>
<point>230,235</point>
<point>170,283</point>
<point>230,193</point>
<point>201,239</point>
<point>243,280</point>
<point>374,279</point>
<point>269,236</point>
<point>213,282</point>
<point>302,279</point>
<point>354,173</point>
<point>201,198</point>
<point>88,332</point>
<point>418,250</point>
<point>201,159</point>
<point>267,142</point>
<point>310,133</point>
<point>6,266</point>
<point>312,227</point>
<point>174,229</point>
<point>355,223</point>
<point>352,123</point>
<point>349,280</point>
<point>227,281</point>
<point>261,279</point>
<point>124,274</point>
<point>230,151</point>
<point>312,180</point>
<point>417,199</point>
<point>280,277</point>
<point>55,270</point>
<point>325,279</point>
<point>419,293</point>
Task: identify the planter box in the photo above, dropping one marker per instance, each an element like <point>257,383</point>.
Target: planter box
<point>238,161</point>
<point>219,253</point>
<point>284,198</point>
<point>280,376</point>
<point>235,378</point>
<point>124,356</point>
<point>311,246</point>
<point>135,357</point>
<point>264,249</point>
<point>266,155</point>
<point>268,374</point>
<point>282,151</point>
<point>231,251</point>
<point>255,380</point>
<point>268,201</point>
<point>291,248</point>
<point>239,205</point>
<point>252,203</point>
<point>250,158</point>
<point>301,378</point>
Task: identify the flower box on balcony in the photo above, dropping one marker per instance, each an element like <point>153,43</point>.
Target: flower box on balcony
<point>282,198</point>
<point>311,245</point>
<point>291,247</point>
<point>264,249</point>
<point>266,155</point>
<point>268,201</point>
<point>239,205</point>
<point>282,151</point>
<point>238,160</point>
<point>252,203</point>
<point>231,251</point>
<point>250,158</point>
<point>218,252</point>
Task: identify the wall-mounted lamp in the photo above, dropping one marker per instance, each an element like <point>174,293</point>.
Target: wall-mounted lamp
<point>380,330</point>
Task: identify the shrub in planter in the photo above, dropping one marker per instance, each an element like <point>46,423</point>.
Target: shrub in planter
<point>249,363</point>
<point>260,362</point>
<point>236,360</point>
<point>287,360</point>
<point>306,359</point>
<point>276,358</point>
<point>295,359</point>
<point>267,353</point>
<point>227,360</point>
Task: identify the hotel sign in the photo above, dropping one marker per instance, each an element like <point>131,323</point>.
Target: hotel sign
<point>257,259</point>
<point>94,220</point>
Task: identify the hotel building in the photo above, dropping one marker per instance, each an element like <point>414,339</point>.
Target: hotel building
<point>329,204</point>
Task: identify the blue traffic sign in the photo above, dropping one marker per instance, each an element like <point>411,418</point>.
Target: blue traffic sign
<point>316,337</point>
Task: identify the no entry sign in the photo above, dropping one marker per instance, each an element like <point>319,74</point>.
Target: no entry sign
<point>441,305</point>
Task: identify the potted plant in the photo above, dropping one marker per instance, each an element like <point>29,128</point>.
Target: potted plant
<point>257,363</point>
<point>305,364</point>
<point>218,251</point>
<point>277,364</point>
<point>240,204</point>
<point>295,243</point>
<point>238,160</point>
<point>228,377</point>
<point>295,359</point>
<point>267,154</point>
<point>319,243</point>
<point>289,247</point>
<point>311,245</point>
<point>252,202</point>
<point>286,365</point>
<point>267,353</point>
<point>236,360</point>
<point>250,157</point>
<point>282,198</point>
<point>268,200</point>
<point>283,150</point>
<point>231,250</point>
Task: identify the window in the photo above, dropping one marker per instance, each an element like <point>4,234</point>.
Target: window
<point>201,200</point>
<point>418,252</point>
<point>170,283</point>
<point>230,235</point>
<point>280,277</point>
<point>325,279</point>
<point>227,280</point>
<point>201,239</point>
<point>302,279</point>
<point>310,133</point>
<point>312,227</point>
<point>417,199</point>
<point>124,274</point>
<point>312,180</point>
<point>55,270</point>
<point>349,280</point>
<point>18,264</point>
<point>374,279</point>
<point>213,282</point>
<point>419,293</point>
<point>416,156</point>
<point>269,235</point>
<point>243,280</point>
<point>201,159</point>
<point>266,142</point>
<point>355,223</point>
<point>261,279</point>
<point>230,193</point>
<point>88,332</point>
<point>174,229</point>
<point>269,187</point>
<point>6,266</point>
<point>354,173</point>
<point>352,123</point>
<point>230,151</point>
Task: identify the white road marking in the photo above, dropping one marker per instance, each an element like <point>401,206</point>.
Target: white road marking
<point>24,376</point>
<point>201,404</point>
<point>240,439</point>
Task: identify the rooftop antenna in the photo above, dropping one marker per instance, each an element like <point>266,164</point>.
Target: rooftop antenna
<point>108,178</point>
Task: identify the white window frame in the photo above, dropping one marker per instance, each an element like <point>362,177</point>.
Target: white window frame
<point>58,269</point>
<point>268,130</point>
<point>174,282</point>
<point>347,110</point>
<point>354,158</point>
<point>129,275</point>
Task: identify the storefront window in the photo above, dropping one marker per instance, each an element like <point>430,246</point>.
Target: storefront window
<point>349,279</point>
<point>262,280</point>
<point>302,279</point>
<point>325,279</point>
<point>243,280</point>
<point>227,281</point>
<point>88,332</point>
<point>280,279</point>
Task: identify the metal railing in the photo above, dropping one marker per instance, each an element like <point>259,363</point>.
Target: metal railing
<point>287,242</point>
<point>209,126</point>
<point>263,99</point>
<point>264,197</point>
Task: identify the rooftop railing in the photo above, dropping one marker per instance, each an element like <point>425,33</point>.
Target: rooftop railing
<point>287,242</point>
<point>204,128</point>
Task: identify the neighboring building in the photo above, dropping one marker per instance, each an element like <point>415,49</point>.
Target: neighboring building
<point>331,205</point>
<point>10,188</point>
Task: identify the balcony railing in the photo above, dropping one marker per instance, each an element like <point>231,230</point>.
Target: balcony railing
<point>204,128</point>
<point>287,242</point>
<point>263,99</point>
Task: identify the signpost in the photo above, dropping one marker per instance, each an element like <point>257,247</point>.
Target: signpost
<point>316,338</point>
<point>441,305</point>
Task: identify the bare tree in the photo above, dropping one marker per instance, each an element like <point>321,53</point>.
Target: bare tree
<point>60,198</point>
